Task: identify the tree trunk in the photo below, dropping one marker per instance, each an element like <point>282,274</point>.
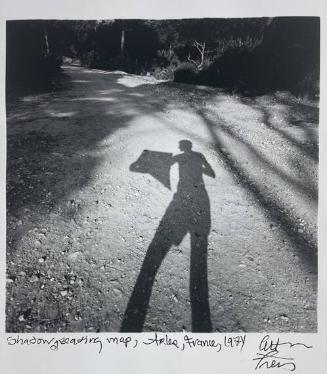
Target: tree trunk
<point>47,48</point>
<point>122,43</point>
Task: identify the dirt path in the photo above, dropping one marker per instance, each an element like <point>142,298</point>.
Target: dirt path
<point>80,221</point>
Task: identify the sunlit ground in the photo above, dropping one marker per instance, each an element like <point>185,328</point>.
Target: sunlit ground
<point>80,222</point>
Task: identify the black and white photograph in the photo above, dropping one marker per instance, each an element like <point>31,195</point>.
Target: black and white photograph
<point>162,175</point>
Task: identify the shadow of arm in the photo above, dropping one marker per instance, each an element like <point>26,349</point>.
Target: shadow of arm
<point>207,169</point>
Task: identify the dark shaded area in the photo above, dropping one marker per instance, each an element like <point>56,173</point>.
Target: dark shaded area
<point>251,55</point>
<point>46,165</point>
<point>288,58</point>
<point>129,45</point>
<point>47,162</point>
<point>188,212</point>
<point>32,64</point>
<point>156,164</point>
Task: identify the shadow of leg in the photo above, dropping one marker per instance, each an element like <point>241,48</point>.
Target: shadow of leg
<point>201,320</point>
<point>136,310</point>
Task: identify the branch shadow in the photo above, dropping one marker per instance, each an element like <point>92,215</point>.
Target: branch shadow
<point>302,242</point>
<point>49,161</point>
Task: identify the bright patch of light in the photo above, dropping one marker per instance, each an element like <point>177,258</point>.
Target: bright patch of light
<point>54,114</point>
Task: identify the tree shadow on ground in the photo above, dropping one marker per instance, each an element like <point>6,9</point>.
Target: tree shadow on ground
<point>55,144</point>
<point>52,140</point>
<point>54,153</point>
<point>188,212</point>
<point>303,243</point>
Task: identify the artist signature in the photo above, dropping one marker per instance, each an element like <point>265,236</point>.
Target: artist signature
<point>270,357</point>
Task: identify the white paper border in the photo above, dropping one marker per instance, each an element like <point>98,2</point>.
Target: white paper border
<point>143,361</point>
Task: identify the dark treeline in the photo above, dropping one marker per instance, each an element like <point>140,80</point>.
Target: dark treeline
<point>251,55</point>
<point>31,61</point>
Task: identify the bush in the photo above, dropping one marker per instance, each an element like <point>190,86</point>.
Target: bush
<point>186,73</point>
<point>164,73</point>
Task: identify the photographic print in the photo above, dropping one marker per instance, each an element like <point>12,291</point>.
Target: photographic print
<point>162,175</point>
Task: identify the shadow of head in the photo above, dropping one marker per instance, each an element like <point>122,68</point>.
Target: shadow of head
<point>185,145</point>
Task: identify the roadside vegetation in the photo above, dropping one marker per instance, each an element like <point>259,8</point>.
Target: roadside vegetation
<point>247,55</point>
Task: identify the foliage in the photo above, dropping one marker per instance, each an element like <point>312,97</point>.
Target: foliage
<point>31,63</point>
<point>186,72</point>
<point>245,54</point>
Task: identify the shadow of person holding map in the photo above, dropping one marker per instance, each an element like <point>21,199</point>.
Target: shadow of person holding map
<point>188,212</point>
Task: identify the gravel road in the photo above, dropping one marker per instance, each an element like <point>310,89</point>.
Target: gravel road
<point>83,214</point>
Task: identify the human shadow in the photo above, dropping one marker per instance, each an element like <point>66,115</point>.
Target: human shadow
<point>188,212</point>
<point>156,164</point>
